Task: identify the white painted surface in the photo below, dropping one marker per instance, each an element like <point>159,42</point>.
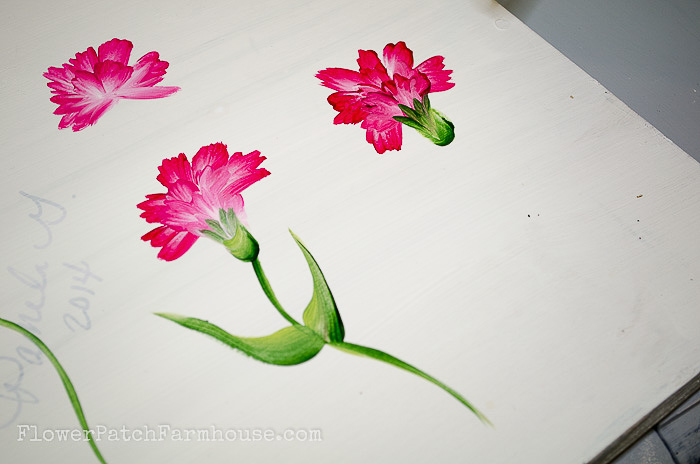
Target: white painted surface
<point>545,264</point>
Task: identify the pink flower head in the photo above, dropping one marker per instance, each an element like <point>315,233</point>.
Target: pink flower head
<point>198,193</point>
<point>376,94</point>
<point>91,83</point>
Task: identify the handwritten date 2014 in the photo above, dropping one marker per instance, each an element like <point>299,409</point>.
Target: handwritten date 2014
<point>35,278</point>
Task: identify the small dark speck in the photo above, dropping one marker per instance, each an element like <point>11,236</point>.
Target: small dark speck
<point>528,215</point>
<point>637,220</point>
<point>640,196</point>
<point>571,96</point>
<point>640,238</point>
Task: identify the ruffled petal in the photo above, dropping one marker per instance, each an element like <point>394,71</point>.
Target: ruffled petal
<point>153,208</point>
<point>148,71</point>
<point>173,169</point>
<point>350,107</point>
<point>115,50</point>
<point>146,93</point>
<point>372,68</point>
<point>434,69</point>
<point>384,133</point>
<point>61,80</point>
<point>84,61</point>
<point>243,171</point>
<point>213,156</point>
<point>406,90</point>
<point>382,104</point>
<point>398,59</point>
<point>112,75</point>
<point>174,243</point>
<point>341,79</point>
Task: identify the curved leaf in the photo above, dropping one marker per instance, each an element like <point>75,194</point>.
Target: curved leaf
<point>291,345</point>
<point>373,353</point>
<point>321,314</point>
<point>67,384</point>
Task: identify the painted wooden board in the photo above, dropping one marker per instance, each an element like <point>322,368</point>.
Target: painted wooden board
<point>545,264</point>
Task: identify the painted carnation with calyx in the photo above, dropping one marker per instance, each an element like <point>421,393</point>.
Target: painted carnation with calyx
<point>388,93</point>
<point>203,198</point>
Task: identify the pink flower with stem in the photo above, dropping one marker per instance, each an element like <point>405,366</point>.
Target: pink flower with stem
<point>384,94</point>
<point>203,198</point>
<point>91,83</point>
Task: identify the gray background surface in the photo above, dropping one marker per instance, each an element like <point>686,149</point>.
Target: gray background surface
<point>647,52</point>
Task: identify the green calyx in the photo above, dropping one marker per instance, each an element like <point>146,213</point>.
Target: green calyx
<point>427,121</point>
<point>230,232</point>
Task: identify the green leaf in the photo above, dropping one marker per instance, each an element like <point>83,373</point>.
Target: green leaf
<point>368,352</point>
<point>410,112</point>
<point>321,315</point>
<point>409,122</point>
<point>426,103</point>
<point>418,106</point>
<point>67,384</point>
<point>291,345</point>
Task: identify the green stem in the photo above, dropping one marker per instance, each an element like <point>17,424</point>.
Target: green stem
<point>72,395</point>
<point>267,288</point>
<point>389,359</point>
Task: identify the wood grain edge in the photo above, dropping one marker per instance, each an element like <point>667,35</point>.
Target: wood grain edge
<point>644,425</point>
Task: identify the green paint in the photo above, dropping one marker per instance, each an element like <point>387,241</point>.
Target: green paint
<point>292,345</point>
<point>67,384</point>
<point>299,343</point>
<point>389,359</point>
<point>321,314</point>
<point>267,288</point>
<point>427,121</point>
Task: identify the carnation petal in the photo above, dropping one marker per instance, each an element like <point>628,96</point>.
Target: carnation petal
<point>371,68</point>
<point>434,69</point>
<point>147,72</point>
<point>149,69</point>
<point>383,133</point>
<point>112,75</point>
<point>84,61</point>
<point>174,243</point>
<point>173,169</point>
<point>115,50</point>
<point>213,156</point>
<point>406,90</point>
<point>350,107</point>
<point>341,79</point>
<point>398,59</point>
<point>61,80</point>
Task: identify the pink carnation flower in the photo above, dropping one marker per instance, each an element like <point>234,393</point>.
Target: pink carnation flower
<point>380,94</point>
<point>203,198</point>
<point>91,83</point>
